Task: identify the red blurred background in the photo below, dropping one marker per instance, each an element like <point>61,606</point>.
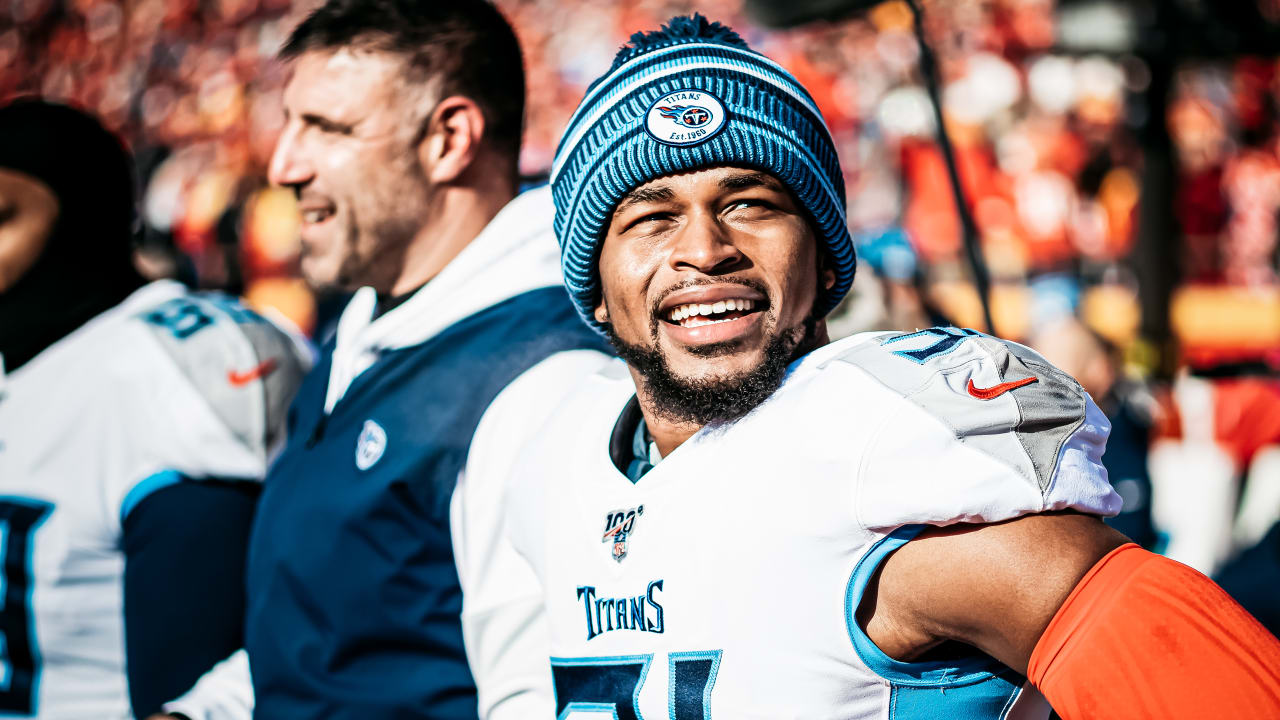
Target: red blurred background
<point>1126,186</point>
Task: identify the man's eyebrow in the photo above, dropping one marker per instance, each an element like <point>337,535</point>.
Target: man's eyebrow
<point>326,124</point>
<point>643,194</point>
<point>750,180</point>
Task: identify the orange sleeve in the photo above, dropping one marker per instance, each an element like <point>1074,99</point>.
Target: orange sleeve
<point>1142,636</point>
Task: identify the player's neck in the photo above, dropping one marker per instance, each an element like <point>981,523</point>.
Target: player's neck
<point>670,433</point>
<point>459,214</point>
<point>666,434</point>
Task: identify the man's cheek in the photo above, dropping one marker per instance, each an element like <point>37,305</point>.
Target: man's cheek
<point>632,326</point>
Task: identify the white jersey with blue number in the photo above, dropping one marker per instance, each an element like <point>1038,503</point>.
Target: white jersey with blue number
<point>723,583</point>
<point>166,385</point>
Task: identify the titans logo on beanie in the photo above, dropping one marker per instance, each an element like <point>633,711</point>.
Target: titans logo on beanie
<point>691,95</point>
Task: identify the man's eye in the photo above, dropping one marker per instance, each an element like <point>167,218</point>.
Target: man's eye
<point>745,204</point>
<point>650,218</point>
<point>326,125</point>
<point>336,128</point>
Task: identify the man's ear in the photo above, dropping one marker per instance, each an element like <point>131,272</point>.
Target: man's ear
<point>601,313</point>
<point>826,275</point>
<point>452,139</point>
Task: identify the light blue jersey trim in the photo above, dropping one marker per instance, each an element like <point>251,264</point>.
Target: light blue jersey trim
<point>973,688</point>
<point>945,673</point>
<point>589,707</point>
<point>990,699</point>
<point>37,657</point>
<point>145,487</point>
<point>947,341</point>
<point>6,669</point>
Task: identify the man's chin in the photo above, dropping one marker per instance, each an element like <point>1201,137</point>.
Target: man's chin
<point>712,364</point>
<point>320,274</point>
<point>686,387</point>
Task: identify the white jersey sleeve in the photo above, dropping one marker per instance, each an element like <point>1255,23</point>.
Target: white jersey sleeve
<point>216,393</point>
<point>503,620</point>
<point>223,693</point>
<point>167,385</point>
<point>981,430</point>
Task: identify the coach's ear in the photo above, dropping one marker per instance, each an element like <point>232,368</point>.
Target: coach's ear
<point>601,313</point>
<point>451,139</point>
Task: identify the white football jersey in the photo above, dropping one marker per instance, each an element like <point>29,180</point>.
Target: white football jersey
<point>165,385</point>
<point>723,583</point>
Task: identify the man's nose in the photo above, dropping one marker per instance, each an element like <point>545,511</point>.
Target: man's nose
<point>289,165</point>
<point>704,245</point>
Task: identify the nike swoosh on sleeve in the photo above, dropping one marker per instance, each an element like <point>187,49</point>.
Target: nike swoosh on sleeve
<point>996,391</point>
<point>263,369</point>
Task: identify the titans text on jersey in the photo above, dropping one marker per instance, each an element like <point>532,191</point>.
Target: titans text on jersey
<point>642,612</point>
<point>759,538</point>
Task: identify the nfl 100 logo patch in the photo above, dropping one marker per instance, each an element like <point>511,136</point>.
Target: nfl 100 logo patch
<point>685,117</point>
<point>618,526</point>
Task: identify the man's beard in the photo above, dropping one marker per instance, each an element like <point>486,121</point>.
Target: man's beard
<point>377,263</point>
<point>716,399</point>
<point>379,229</point>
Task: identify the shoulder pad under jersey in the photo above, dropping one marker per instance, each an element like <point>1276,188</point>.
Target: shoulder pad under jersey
<point>996,396</point>
<point>246,367</point>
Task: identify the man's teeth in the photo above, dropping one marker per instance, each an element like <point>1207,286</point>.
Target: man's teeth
<point>699,322</point>
<point>692,310</point>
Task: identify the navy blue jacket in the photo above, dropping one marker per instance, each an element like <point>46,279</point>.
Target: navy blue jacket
<point>353,596</point>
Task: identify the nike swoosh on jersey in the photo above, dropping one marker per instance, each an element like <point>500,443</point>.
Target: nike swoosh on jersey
<point>263,369</point>
<point>996,391</point>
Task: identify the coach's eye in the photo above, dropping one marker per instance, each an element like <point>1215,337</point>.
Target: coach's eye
<point>326,125</point>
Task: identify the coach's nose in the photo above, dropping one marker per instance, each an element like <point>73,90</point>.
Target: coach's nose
<point>289,163</point>
<point>702,244</point>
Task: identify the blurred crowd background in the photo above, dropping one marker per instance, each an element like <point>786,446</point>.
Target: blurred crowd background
<point>1121,159</point>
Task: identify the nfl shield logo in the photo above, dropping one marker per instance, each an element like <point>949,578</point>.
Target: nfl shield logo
<point>618,524</point>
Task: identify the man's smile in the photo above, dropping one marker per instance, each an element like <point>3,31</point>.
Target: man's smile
<point>704,314</point>
<point>315,209</point>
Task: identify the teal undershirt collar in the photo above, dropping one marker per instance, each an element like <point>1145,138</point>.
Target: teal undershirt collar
<point>630,446</point>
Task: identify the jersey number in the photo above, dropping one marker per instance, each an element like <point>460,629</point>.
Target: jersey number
<point>944,341</point>
<point>19,658</point>
<point>609,687</point>
<point>181,317</point>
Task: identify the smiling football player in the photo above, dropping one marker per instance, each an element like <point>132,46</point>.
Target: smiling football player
<point>748,521</point>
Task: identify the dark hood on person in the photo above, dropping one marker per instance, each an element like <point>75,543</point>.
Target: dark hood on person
<point>86,264</point>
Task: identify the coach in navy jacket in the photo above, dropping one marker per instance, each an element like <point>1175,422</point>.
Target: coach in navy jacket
<point>401,143</point>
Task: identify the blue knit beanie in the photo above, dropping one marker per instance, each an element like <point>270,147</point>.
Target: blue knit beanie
<point>691,95</point>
